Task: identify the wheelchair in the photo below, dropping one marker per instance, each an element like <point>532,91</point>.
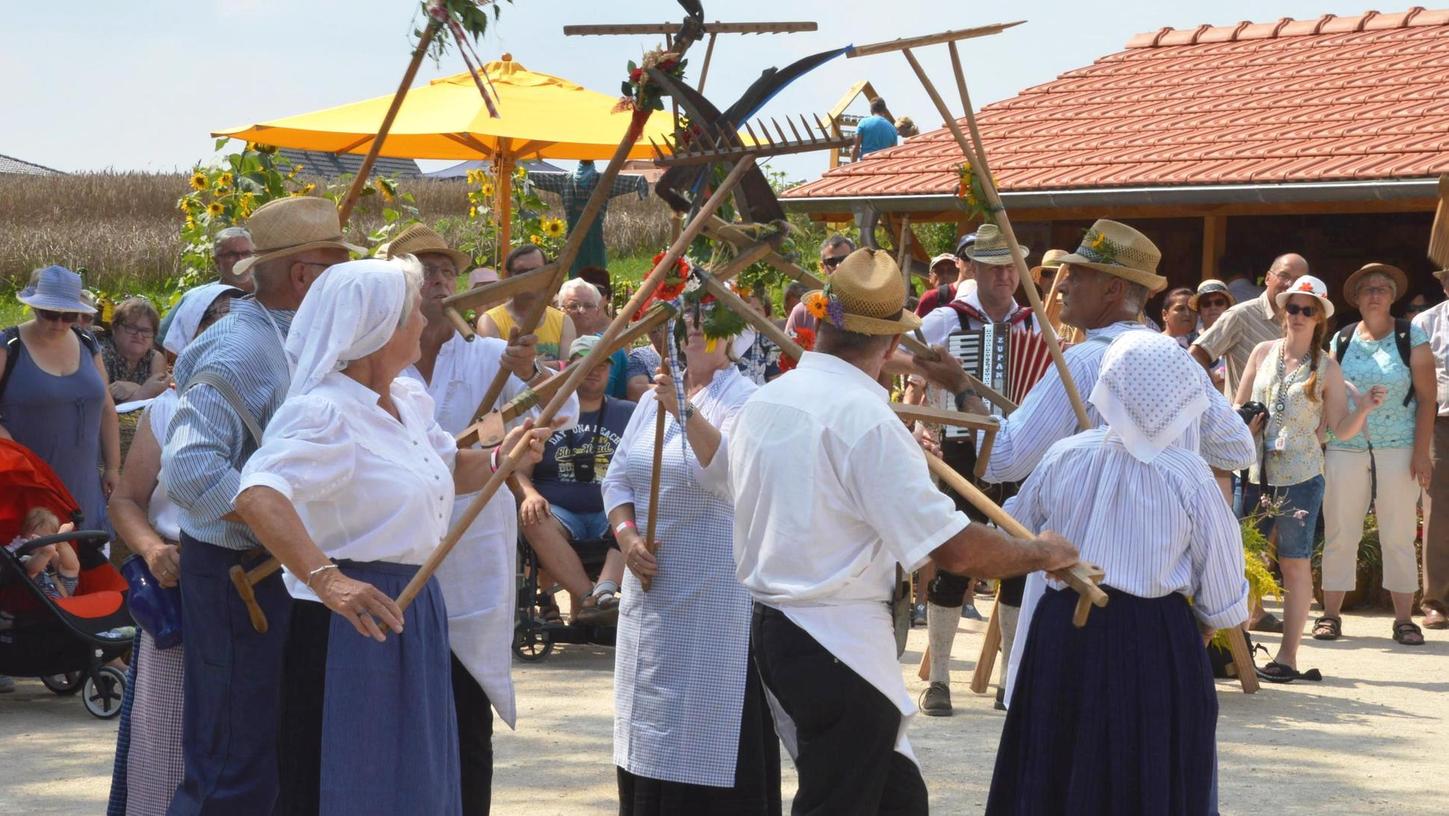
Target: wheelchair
<point>534,636</point>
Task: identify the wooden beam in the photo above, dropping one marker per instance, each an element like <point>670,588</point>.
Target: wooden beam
<point>929,39</point>
<point>485,297</point>
<point>616,29</point>
<point>1214,241</point>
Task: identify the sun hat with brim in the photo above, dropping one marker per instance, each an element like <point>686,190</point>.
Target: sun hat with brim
<point>944,256</point>
<point>1120,250</point>
<point>991,247</point>
<point>291,226</point>
<point>56,289</point>
<point>420,239</point>
<point>866,295</point>
<point>582,345</point>
<point>1211,286</point>
<point>1393,273</point>
<point>1310,286</point>
<point>1441,273</point>
<point>1050,260</point>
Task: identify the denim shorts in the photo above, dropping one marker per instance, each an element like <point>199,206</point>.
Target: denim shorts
<point>1295,531</point>
<point>581,526</point>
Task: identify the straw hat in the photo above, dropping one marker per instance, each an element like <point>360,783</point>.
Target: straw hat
<point>991,247</point>
<point>419,239</point>
<point>293,225</point>
<point>1120,250</point>
<point>1441,273</point>
<point>1310,286</point>
<point>56,289</point>
<point>866,295</point>
<point>1211,286</point>
<point>1350,286</point>
<point>1051,259</point>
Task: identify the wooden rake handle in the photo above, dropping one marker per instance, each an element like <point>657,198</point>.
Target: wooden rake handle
<point>651,526</point>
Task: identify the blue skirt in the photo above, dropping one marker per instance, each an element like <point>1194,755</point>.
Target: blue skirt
<point>1118,717</point>
<point>389,733</point>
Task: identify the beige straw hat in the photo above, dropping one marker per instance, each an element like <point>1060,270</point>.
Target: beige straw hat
<point>1211,286</point>
<point>293,225</point>
<point>1050,260</point>
<point>420,239</point>
<point>1120,250</point>
<point>991,247</point>
<point>866,295</point>
<point>1393,273</point>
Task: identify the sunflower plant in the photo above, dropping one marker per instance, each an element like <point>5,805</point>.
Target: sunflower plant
<point>529,220</point>
<point>395,209</point>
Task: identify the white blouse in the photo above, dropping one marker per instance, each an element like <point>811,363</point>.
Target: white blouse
<point>367,487</point>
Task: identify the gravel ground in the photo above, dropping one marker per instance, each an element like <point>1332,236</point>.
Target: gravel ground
<point>1351,744</point>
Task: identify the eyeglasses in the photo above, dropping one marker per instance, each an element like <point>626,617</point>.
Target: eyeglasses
<point>831,263</point>
<point>136,332</point>
<point>64,317</point>
<point>1295,309</point>
<point>235,254</point>
<point>578,307</point>
<point>1213,303</point>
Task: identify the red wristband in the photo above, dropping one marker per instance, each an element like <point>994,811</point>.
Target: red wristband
<point>619,528</point>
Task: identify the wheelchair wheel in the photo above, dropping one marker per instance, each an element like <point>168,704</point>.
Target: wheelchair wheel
<point>103,692</point>
<point>531,645</point>
<point>63,684</point>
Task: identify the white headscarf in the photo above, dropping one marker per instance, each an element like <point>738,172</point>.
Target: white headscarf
<point>352,310</point>
<point>188,314</point>
<point>1150,392</point>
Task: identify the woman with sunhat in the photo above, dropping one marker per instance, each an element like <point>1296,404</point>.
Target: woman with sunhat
<point>1303,391</point>
<point>1387,465</point>
<point>55,400</point>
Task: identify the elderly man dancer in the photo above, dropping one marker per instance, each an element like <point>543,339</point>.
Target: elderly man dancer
<point>231,380</point>
<point>477,578</point>
<point>817,545</point>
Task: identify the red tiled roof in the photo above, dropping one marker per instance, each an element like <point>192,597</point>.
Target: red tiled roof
<point>1333,99</point>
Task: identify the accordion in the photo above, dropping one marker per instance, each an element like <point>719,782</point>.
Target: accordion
<point>1008,359</point>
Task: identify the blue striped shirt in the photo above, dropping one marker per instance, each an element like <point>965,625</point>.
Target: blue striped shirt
<point>207,443</point>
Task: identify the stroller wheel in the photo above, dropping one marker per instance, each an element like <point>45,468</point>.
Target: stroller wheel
<point>103,692</point>
<point>529,644</point>
<point>63,684</point>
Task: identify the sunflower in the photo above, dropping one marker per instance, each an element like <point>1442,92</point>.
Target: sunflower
<point>536,240</point>
<point>224,180</point>
<point>486,189</point>
<point>198,181</point>
<point>215,209</point>
<point>472,212</point>
<point>477,177</point>
<point>554,227</point>
<point>186,204</point>
<point>520,174</point>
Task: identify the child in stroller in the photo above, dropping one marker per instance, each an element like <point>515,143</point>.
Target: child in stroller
<point>53,567</point>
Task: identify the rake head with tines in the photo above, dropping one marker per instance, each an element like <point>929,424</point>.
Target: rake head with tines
<point>1439,235</point>
<point>706,144</point>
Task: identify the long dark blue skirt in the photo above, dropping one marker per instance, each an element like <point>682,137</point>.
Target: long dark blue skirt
<point>1118,717</point>
<point>389,733</point>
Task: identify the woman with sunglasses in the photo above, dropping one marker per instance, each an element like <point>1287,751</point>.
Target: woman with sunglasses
<point>1386,466</point>
<point>54,396</point>
<point>1303,391</point>
<point>137,370</point>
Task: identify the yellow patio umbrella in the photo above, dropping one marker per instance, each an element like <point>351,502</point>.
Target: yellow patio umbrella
<point>540,116</point>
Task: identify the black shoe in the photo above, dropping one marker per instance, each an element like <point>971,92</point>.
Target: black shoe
<point>936,700</point>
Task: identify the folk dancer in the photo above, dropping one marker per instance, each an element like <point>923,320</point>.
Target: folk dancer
<point>818,484</point>
<point>1120,716</point>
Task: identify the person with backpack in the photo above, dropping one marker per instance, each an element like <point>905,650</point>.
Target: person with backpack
<point>1386,466</point>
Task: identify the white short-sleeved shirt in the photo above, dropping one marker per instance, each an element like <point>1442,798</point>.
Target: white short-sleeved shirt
<point>366,486</point>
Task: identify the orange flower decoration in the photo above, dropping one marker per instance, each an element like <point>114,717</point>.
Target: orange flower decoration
<point>817,305</point>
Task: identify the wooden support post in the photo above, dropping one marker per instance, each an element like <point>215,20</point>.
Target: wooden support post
<point>359,182</point>
<point>1214,242</point>
<point>981,677</point>
<point>571,384</point>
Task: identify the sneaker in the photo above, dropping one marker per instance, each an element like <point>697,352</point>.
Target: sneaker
<point>968,610</point>
<point>918,616</point>
<point>7,684</point>
<point>936,700</point>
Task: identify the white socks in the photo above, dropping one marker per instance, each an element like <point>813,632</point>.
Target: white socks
<point>1009,616</point>
<point>941,624</point>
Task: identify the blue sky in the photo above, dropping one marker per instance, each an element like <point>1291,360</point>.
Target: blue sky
<point>138,86</point>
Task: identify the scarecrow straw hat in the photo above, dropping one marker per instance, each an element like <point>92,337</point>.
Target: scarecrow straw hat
<point>866,295</point>
<point>291,226</point>
<point>1120,250</point>
<point>420,239</point>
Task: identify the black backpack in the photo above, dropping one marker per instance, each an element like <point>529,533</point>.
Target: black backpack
<point>1401,340</point>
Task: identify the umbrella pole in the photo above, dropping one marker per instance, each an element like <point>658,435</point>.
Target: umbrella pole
<point>344,210</point>
<point>503,167</point>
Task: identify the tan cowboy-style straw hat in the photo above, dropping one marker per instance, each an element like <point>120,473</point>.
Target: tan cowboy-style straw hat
<point>991,247</point>
<point>1120,250</point>
<point>866,295</point>
<point>420,239</point>
<point>1050,260</point>
<point>1393,273</point>
<point>293,225</point>
<point>1211,286</point>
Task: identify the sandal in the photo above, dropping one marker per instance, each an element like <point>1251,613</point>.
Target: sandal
<point>1327,628</point>
<point>1276,672</point>
<point>1268,623</point>
<point>1408,633</point>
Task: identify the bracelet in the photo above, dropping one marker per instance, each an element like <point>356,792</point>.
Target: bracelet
<point>619,528</point>
<point>314,573</point>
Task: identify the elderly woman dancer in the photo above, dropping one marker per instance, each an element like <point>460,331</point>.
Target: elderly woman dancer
<point>1387,465</point>
<point>351,489</point>
<point>692,733</point>
<point>148,745</point>
<point>1120,716</point>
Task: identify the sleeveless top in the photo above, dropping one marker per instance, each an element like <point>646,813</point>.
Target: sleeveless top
<point>1290,436</point>
<point>549,333</point>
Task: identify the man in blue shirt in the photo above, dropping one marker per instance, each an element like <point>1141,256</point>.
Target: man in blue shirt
<point>875,132</point>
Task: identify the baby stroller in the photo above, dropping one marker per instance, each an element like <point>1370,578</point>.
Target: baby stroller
<point>534,635</point>
<point>65,642</point>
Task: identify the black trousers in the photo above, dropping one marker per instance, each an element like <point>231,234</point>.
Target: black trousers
<point>475,740</point>
<point>845,727</point>
<point>948,589</point>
